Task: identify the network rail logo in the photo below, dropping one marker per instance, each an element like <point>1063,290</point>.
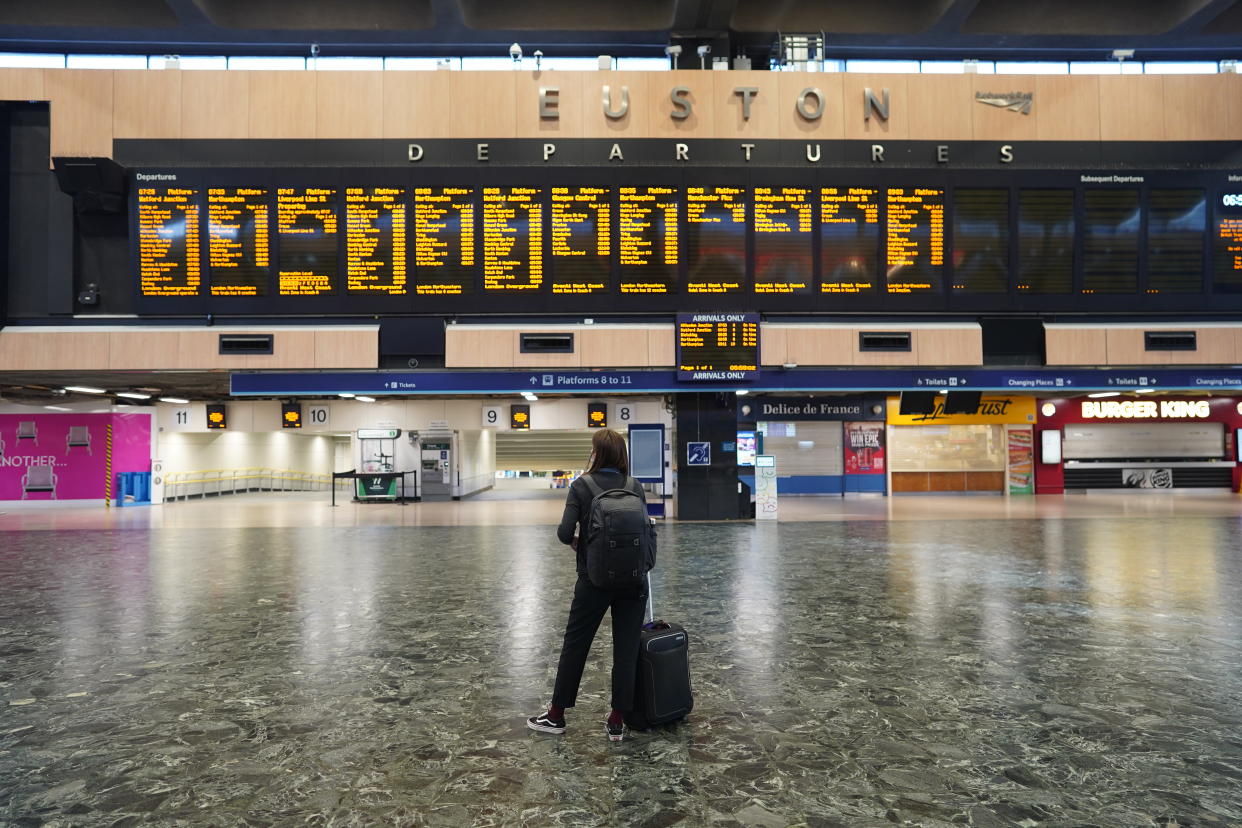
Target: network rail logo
<point>1013,101</point>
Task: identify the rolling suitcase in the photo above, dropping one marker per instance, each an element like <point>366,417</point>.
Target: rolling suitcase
<point>663,692</point>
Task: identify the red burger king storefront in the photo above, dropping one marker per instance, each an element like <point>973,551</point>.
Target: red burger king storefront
<point>1137,441</point>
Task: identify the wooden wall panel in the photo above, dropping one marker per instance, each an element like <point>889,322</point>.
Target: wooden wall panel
<point>946,481</point>
<point>1233,102</point>
<point>1125,347</point>
<point>634,124</point>
<point>1075,346</point>
<point>417,105</point>
<point>197,350</point>
<point>661,349</point>
<point>773,345</point>
<point>985,481</point>
<point>658,101</point>
<point>53,351</point>
<point>1067,107</point>
<point>940,108</point>
<point>349,104</point>
<point>81,111</point>
<point>993,123</point>
<point>897,127</point>
<point>828,127</point>
<point>21,85</point>
<point>949,346</point>
<point>347,348</point>
<point>1196,108</point>
<point>820,346</point>
<point>571,104</point>
<point>909,482</point>
<point>146,103</point>
<point>1130,107</point>
<point>291,348</point>
<point>764,105</point>
<point>1216,347</point>
<point>219,104</point>
<point>483,104</point>
<point>141,350</point>
<point>612,347</point>
<point>470,347</point>
<point>282,104</point>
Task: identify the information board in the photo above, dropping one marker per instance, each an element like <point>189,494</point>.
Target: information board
<point>648,241</point>
<point>849,227</point>
<point>1176,228</point>
<point>444,236</point>
<point>784,240</point>
<point>915,240</point>
<point>169,255</point>
<point>1110,241</point>
<point>715,240</point>
<point>580,227</point>
<point>375,240</point>
<point>239,242</point>
<point>717,346</point>
<point>1045,241</point>
<point>981,240</point>
<point>1227,242</point>
<point>512,239</point>
<point>306,225</point>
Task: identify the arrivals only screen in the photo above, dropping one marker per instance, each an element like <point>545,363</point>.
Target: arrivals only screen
<point>651,240</point>
<point>717,346</point>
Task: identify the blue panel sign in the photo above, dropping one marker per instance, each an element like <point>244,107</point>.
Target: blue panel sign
<point>411,383</point>
<point>698,454</point>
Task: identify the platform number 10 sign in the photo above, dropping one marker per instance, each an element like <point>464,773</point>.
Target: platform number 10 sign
<point>317,416</point>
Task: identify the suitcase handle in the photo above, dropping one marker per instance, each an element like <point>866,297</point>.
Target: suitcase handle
<point>657,625</point>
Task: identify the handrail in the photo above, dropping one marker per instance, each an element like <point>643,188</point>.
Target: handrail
<point>204,482</point>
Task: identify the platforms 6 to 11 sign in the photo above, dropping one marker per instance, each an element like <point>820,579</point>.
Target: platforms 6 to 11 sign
<point>717,346</point>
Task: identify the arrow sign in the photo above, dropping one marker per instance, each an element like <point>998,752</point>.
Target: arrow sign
<point>534,380</point>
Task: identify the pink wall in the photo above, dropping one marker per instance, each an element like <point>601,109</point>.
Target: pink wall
<point>79,470</point>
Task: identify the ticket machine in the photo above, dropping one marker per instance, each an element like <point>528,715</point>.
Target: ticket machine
<point>438,465</point>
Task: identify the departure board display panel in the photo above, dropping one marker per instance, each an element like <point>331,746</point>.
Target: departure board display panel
<point>512,239</point>
<point>648,239</point>
<point>717,346</point>
<point>849,229</point>
<point>1176,228</point>
<point>980,241</point>
<point>1045,241</point>
<point>914,239</point>
<point>715,240</point>
<point>444,235</point>
<point>239,241</point>
<point>169,255</point>
<point>1227,243</point>
<point>306,227</point>
<point>580,230</point>
<point>784,240</point>
<point>375,240</point>
<point>1110,241</point>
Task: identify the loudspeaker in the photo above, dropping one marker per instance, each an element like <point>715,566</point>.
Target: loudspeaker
<point>962,402</point>
<point>917,402</point>
<point>96,184</point>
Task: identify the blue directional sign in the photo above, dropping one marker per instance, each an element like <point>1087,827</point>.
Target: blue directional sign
<point>698,454</point>
<point>1045,380</point>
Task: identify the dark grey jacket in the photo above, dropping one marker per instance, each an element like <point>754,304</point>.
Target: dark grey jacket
<point>578,510</point>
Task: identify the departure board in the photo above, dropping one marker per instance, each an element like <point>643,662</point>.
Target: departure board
<point>849,229</point>
<point>1045,241</point>
<point>580,227</point>
<point>1110,241</point>
<point>717,346</point>
<point>784,257</point>
<point>306,225</point>
<point>444,256</point>
<point>169,256</point>
<point>915,240</point>
<point>1176,227</point>
<point>512,239</point>
<point>715,240</point>
<point>648,242</point>
<point>1227,243</point>
<point>239,241</point>
<point>375,240</point>
<point>980,241</point>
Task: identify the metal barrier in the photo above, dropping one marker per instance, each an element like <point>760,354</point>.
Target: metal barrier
<point>184,485</point>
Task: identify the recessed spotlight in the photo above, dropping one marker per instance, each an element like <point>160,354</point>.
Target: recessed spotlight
<point>365,399</point>
<point>57,408</point>
<point>1144,390</point>
<point>346,395</point>
<point>176,400</point>
<point>133,395</point>
<point>1106,394</point>
<point>741,392</point>
<point>85,389</point>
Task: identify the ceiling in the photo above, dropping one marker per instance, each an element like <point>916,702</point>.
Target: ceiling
<point>948,29</point>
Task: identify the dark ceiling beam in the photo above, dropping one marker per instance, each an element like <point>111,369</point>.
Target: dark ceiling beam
<point>1194,24</point>
<point>953,14</point>
<point>188,12</point>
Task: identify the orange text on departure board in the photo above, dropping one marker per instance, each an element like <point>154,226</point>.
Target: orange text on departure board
<point>647,234</point>
<point>169,262</point>
<point>239,243</point>
<point>375,240</point>
<point>443,240</point>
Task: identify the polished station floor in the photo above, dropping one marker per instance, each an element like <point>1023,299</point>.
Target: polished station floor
<point>268,660</point>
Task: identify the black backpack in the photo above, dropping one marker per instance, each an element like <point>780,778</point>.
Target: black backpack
<point>620,542</point>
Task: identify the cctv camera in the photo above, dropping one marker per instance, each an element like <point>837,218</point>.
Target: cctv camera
<point>672,50</point>
<point>1122,54</point>
<point>515,51</point>
<point>314,50</point>
<point>705,50</point>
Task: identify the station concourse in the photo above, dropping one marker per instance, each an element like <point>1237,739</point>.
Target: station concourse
<point>920,328</point>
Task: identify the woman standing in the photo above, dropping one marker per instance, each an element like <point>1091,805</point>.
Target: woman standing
<point>608,468</point>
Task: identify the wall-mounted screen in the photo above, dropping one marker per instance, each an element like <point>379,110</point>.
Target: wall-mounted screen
<point>717,346</point>
<point>306,226</point>
<point>784,240</point>
<point>167,234</point>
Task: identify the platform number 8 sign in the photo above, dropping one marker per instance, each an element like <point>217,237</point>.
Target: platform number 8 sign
<point>623,414</point>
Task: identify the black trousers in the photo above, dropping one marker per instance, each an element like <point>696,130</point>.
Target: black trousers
<point>585,614</point>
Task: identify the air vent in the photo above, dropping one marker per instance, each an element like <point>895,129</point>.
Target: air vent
<point>547,343</point>
<point>246,343</point>
<point>1169,340</point>
<point>884,341</point>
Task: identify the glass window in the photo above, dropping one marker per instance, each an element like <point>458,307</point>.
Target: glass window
<point>329,64</point>
<point>1181,67</point>
<point>17,60</point>
<point>883,66</point>
<point>1031,67</point>
<point>643,64</point>
<point>1095,67</point>
<point>106,62</point>
<point>188,62</point>
<point>947,448</point>
<point>415,64</point>
<point>288,63</point>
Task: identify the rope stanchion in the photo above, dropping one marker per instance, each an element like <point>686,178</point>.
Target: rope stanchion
<point>108,469</point>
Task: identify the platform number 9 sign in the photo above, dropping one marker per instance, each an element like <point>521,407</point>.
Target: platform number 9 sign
<point>493,416</point>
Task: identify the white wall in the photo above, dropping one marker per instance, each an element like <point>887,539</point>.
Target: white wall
<point>281,450</point>
<point>477,463</point>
